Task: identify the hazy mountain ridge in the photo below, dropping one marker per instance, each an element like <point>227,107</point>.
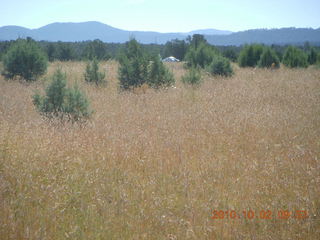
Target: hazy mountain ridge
<point>72,32</point>
<point>268,36</point>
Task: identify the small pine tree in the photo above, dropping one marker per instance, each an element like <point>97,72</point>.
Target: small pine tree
<point>25,59</point>
<point>312,56</point>
<point>133,70</point>
<point>294,57</point>
<point>158,74</point>
<point>92,74</point>
<point>200,56</point>
<point>192,77</point>
<point>250,55</point>
<point>60,101</point>
<point>76,104</point>
<point>220,66</point>
<point>52,103</point>
<point>268,59</point>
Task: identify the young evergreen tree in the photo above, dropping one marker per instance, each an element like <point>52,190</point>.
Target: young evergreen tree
<point>53,102</point>
<point>220,66</point>
<point>200,56</point>
<point>312,56</point>
<point>92,74</point>
<point>158,74</point>
<point>192,77</point>
<point>133,70</point>
<point>51,51</point>
<point>25,59</point>
<point>250,55</point>
<point>61,101</point>
<point>294,57</point>
<point>196,40</point>
<point>268,59</point>
<point>76,104</point>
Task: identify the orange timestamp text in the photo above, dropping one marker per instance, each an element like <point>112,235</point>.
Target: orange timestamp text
<point>262,214</point>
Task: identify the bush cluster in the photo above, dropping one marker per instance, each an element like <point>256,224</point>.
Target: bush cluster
<point>266,57</point>
<point>201,55</point>
<point>250,55</point>
<point>137,68</point>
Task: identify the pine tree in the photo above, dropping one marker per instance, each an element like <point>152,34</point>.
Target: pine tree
<point>294,57</point>
<point>220,66</point>
<point>268,59</point>
<point>192,77</point>
<point>61,101</point>
<point>25,59</point>
<point>158,74</point>
<point>133,70</point>
<point>250,55</point>
<point>92,74</point>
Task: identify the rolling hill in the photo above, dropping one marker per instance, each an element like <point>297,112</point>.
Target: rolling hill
<point>72,32</point>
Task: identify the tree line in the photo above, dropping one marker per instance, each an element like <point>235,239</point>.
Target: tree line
<point>87,50</point>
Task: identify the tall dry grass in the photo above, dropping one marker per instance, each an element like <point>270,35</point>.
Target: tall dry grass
<point>155,165</point>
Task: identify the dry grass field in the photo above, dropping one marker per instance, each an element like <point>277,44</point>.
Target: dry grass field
<point>155,165</point>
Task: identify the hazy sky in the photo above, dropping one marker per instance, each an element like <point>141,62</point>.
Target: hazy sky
<point>165,15</point>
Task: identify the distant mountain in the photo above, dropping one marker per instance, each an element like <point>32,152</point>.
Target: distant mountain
<point>271,36</point>
<point>72,32</point>
<point>14,32</point>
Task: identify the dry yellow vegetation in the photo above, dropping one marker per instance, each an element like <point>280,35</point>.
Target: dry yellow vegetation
<point>156,164</point>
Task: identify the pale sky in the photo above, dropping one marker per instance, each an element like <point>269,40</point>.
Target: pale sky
<point>165,15</point>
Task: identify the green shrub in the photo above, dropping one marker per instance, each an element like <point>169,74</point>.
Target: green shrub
<point>138,68</point>
<point>62,102</point>
<point>312,56</point>
<point>76,104</point>
<point>220,66</point>
<point>158,74</point>
<point>25,59</point>
<point>250,55</point>
<point>92,74</point>
<point>200,56</point>
<point>192,77</point>
<point>133,69</point>
<point>294,57</point>
<point>269,59</point>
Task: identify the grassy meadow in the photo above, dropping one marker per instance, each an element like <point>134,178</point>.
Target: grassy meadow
<point>156,164</point>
